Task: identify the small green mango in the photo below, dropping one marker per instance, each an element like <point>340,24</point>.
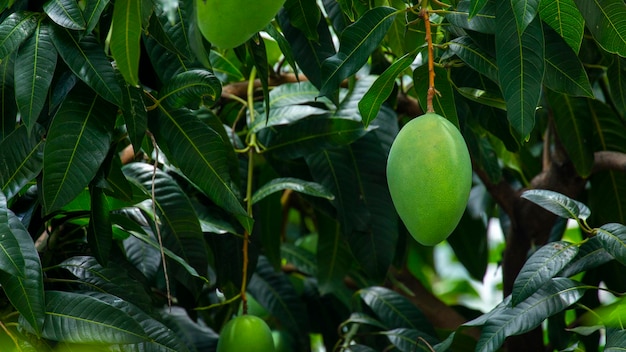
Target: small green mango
<point>230,23</point>
<point>429,174</point>
<point>246,333</point>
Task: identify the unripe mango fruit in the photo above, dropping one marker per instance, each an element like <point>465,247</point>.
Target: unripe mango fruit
<point>246,333</point>
<point>429,174</point>
<point>230,23</point>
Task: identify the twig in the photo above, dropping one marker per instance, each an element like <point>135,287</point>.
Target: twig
<point>431,62</point>
<point>157,222</point>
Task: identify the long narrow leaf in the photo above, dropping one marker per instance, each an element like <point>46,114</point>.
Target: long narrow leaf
<point>554,297</point>
<point>606,20</point>
<point>333,256</point>
<point>125,36</point>
<point>202,155</point>
<point>301,186</point>
<point>22,156</point>
<point>565,19</point>
<point>11,257</point>
<point>26,293</point>
<point>542,266</point>
<point>79,318</point>
<point>357,42</point>
<point>192,87</point>
<point>558,203</point>
<point>613,239</point>
<point>520,58</point>
<point>394,310</point>
<point>87,60</point>
<point>161,337</point>
<point>176,217</point>
<point>99,230</point>
<point>15,29</point>
<point>370,104</point>
<point>78,141</point>
<point>36,61</point>
<point>65,13</point>
<point>92,12</point>
<point>564,71</point>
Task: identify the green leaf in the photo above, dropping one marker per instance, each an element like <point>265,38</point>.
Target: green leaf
<point>471,233</point>
<point>125,37</point>
<point>574,129</point>
<point>482,20</point>
<point>395,310</point>
<point>25,292</point>
<point>8,107</point>
<point>77,143</point>
<point>304,15</point>
<point>36,61</point>
<point>311,135</point>
<point>65,13</point>
<point>284,45</point>
<point>564,71</point>
<point>617,71</point>
<point>202,155</point>
<point>362,201</point>
<point>22,156</point>
<point>525,12</point>
<point>93,11</point>
<point>113,279</point>
<point>565,19</point>
<point>554,297</point>
<point>79,318</point>
<point>87,60</point>
<point>408,340</point>
<point>179,225</point>
<point>591,254</point>
<point>15,29</point>
<point>609,134</point>
<point>298,185</point>
<point>285,115</point>
<point>613,239</point>
<point>192,88</point>
<point>99,230</point>
<point>520,58</point>
<point>161,338</point>
<point>465,48</point>
<point>615,340</point>
<point>606,20</point>
<point>141,252</point>
<point>540,268</point>
<point>334,259</point>
<point>309,54</point>
<point>376,95</point>
<point>257,52</point>
<point>301,93</point>
<point>135,113</point>
<point>276,293</point>
<point>443,103</point>
<point>558,203</point>
<point>11,258</point>
<point>357,42</point>
<point>476,6</point>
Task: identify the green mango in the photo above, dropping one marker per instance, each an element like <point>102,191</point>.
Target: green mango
<point>429,174</point>
<point>230,23</point>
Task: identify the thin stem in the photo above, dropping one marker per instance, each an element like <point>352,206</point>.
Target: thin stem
<point>157,222</point>
<point>431,62</point>
<point>246,234</point>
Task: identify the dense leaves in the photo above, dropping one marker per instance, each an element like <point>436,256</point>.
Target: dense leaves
<point>149,181</point>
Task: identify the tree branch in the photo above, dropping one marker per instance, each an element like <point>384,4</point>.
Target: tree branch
<point>609,161</point>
